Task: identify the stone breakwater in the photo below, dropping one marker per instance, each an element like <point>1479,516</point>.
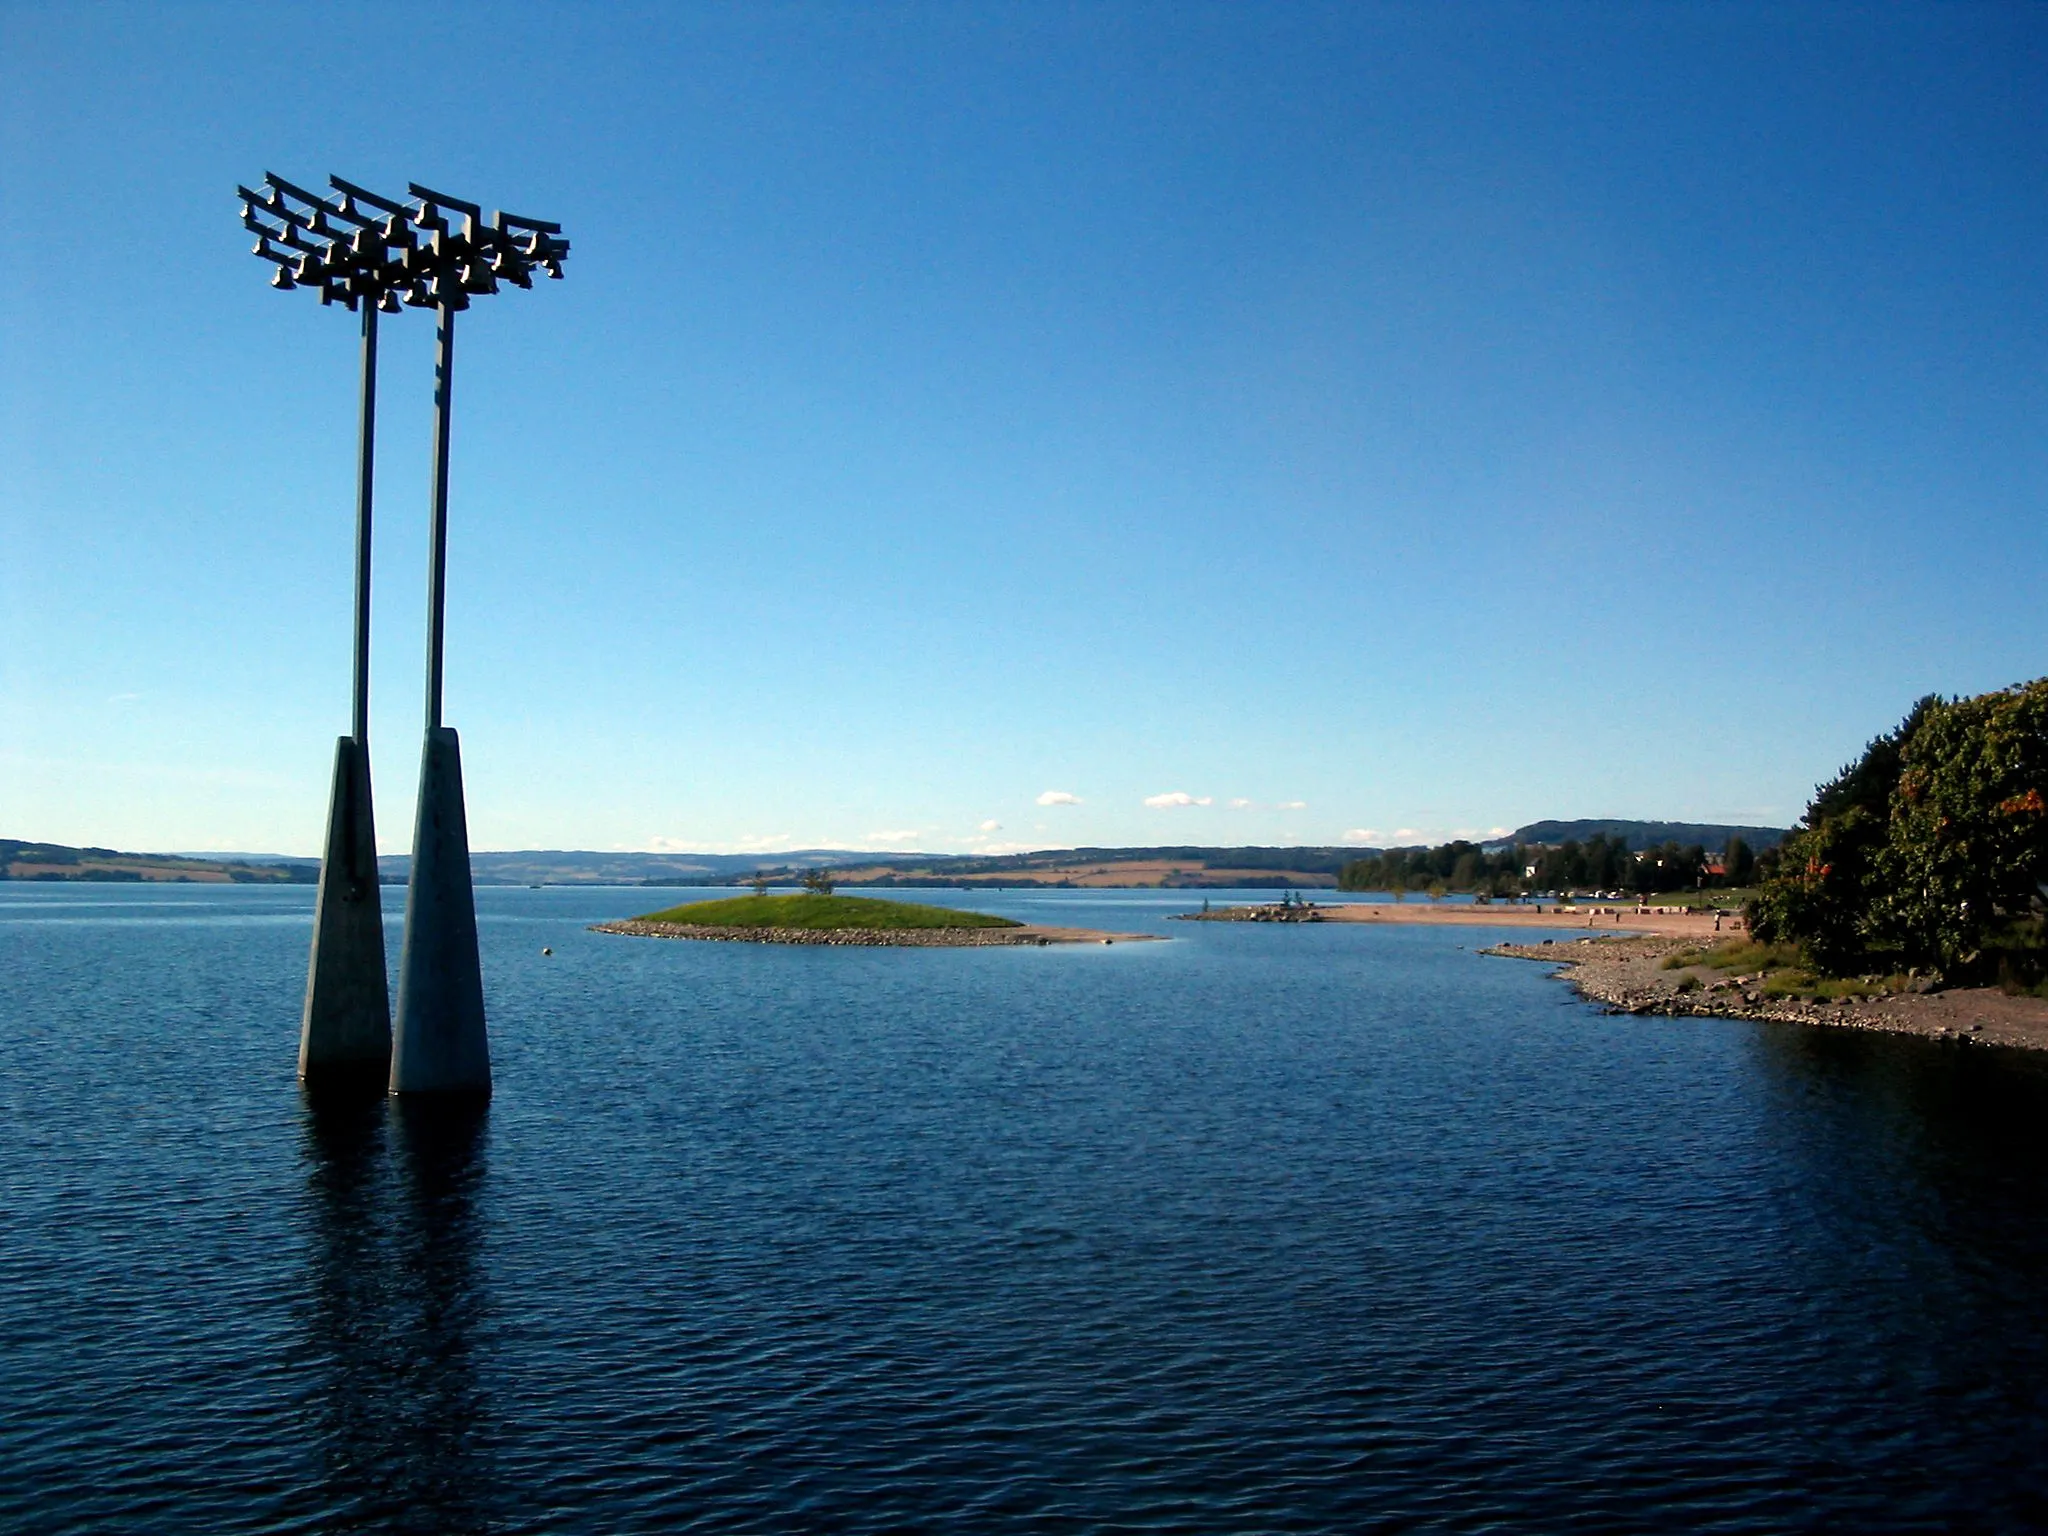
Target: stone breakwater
<point>1271,912</point>
<point>874,938</point>
<point>1627,975</point>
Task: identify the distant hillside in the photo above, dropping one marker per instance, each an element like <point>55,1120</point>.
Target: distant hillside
<point>577,867</point>
<point>55,861</point>
<point>1178,865</point>
<point>1169,866</point>
<point>1647,834</point>
<point>1059,866</point>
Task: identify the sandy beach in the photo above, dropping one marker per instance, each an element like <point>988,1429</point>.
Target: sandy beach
<point>1606,917</point>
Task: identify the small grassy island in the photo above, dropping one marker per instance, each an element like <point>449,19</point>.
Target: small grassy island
<point>807,909</point>
<point>816,917</point>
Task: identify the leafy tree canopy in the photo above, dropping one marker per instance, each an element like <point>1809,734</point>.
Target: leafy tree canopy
<point>1930,850</point>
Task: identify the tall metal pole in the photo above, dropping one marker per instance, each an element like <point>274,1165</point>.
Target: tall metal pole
<point>440,1043</point>
<point>437,559</point>
<point>345,1026</point>
<point>366,463</point>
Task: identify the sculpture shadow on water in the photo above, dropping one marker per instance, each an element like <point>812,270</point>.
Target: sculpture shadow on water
<point>398,1416</point>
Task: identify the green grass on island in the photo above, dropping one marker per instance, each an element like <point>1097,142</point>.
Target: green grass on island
<point>808,910</point>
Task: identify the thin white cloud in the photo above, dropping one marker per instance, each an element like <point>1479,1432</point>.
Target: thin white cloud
<point>1240,805</point>
<point>1176,798</point>
<point>990,826</point>
<point>1292,805</point>
<point>994,848</point>
<point>899,839</point>
<point>1362,835</point>
<point>1058,797</point>
<point>770,842</point>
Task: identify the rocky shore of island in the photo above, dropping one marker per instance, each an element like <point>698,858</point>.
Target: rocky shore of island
<point>1629,974</point>
<point>873,938</point>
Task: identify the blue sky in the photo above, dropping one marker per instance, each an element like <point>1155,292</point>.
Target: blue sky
<point>1323,422</point>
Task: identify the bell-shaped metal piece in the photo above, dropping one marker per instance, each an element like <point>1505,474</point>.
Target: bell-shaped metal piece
<point>389,303</point>
<point>282,279</point>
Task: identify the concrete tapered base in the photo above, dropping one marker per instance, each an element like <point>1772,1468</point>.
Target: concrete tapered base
<point>345,1028</point>
<point>441,1045</point>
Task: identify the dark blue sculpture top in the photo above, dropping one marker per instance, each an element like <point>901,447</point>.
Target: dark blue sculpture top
<point>433,253</point>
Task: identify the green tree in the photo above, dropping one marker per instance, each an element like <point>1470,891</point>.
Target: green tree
<point>1822,893</point>
<point>1646,872</point>
<point>1826,883</point>
<point>1933,845</point>
<point>1967,850</point>
<point>1605,861</point>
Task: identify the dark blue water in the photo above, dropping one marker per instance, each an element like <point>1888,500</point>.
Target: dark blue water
<point>1266,1229</point>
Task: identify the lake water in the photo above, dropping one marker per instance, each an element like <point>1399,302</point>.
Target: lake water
<point>1265,1229</point>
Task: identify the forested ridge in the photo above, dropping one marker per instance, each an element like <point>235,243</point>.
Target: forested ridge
<point>1600,863</point>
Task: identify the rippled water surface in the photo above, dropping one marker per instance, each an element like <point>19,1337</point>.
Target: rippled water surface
<point>1265,1229</point>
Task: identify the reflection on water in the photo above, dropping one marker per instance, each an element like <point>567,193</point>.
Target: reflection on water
<point>1913,1175</point>
<point>399,1418</point>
